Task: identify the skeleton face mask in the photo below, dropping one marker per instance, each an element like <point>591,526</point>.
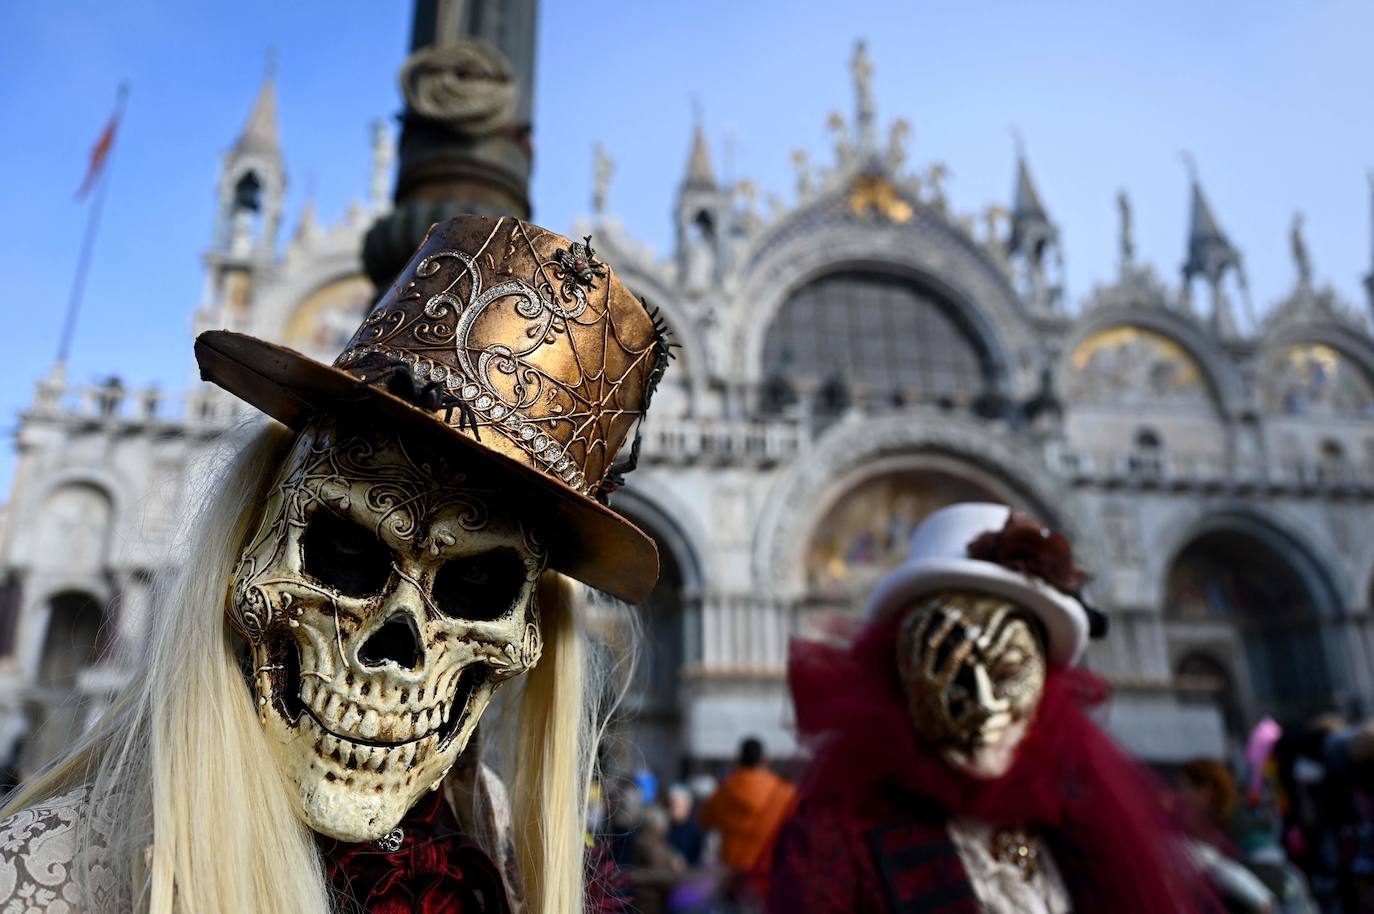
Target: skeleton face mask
<point>383,598</point>
<point>974,670</point>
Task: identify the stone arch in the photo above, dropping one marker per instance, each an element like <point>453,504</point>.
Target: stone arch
<point>881,333</point>
<point>1255,578</point>
<point>76,636</point>
<point>1220,372</point>
<point>321,321</point>
<point>314,270</point>
<point>671,624</point>
<point>821,239</point>
<point>1348,347</point>
<point>75,528</point>
<point>1353,345</point>
<point>858,449</point>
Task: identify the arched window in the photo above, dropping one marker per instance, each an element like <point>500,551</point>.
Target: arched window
<point>1333,466</point>
<point>703,229</point>
<point>1147,439</point>
<point>882,336</point>
<point>1148,455</point>
<point>248,193</point>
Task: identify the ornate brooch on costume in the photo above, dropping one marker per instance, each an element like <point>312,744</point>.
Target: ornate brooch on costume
<point>1019,848</point>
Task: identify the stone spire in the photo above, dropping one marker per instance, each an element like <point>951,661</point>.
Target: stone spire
<point>252,184</point>
<point>700,174</point>
<point>307,226</point>
<point>1030,223</point>
<point>260,136</point>
<point>1033,246</point>
<point>1211,256</point>
<point>465,133</point>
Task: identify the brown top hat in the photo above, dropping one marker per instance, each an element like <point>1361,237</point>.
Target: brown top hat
<point>518,344</point>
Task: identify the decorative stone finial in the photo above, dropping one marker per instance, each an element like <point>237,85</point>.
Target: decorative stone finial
<point>1127,240</point>
<point>862,69</point>
<point>604,168</point>
<point>1301,259</point>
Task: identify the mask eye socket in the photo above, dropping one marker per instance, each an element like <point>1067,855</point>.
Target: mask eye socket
<point>480,587</point>
<point>344,556</point>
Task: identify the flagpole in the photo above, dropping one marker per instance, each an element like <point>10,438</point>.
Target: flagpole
<point>83,262</point>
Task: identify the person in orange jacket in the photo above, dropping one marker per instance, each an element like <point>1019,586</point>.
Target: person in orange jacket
<point>749,810</point>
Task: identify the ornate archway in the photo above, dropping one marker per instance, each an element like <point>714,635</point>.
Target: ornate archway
<point>75,639</point>
<point>651,729</point>
<point>1267,589</point>
<point>865,533</point>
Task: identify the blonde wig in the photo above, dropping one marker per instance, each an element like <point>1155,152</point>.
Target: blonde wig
<point>203,823</point>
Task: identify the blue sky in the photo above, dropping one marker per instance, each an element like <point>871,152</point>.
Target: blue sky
<point>1272,99</point>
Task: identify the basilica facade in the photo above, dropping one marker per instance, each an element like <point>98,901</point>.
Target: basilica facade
<point>850,360</point>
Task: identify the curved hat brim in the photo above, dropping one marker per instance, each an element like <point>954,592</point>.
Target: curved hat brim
<point>1065,619</point>
<point>588,541</point>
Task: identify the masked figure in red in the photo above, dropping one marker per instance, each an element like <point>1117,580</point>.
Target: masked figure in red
<point>956,770</point>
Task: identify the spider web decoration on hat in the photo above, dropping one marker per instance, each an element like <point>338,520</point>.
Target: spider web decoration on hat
<point>519,337</point>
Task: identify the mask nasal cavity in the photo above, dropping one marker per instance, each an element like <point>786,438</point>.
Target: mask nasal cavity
<point>397,641</point>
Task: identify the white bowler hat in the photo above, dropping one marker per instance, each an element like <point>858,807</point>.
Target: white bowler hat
<point>939,560</point>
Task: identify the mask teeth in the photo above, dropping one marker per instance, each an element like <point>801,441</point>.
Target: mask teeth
<point>349,721</point>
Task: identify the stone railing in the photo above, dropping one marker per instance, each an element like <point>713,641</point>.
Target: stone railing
<point>111,403</point>
<point>1143,468</point>
<point>720,441</point>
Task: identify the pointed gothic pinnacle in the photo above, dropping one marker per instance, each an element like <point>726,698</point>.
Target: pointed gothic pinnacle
<point>861,67</point>
<point>700,174</point>
<point>259,134</point>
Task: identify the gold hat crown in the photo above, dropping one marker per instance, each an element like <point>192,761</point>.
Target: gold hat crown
<point>518,342</point>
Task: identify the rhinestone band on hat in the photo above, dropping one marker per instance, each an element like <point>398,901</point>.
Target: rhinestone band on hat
<point>520,430</point>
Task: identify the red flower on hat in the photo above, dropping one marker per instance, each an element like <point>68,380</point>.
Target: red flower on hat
<point>1028,546</point>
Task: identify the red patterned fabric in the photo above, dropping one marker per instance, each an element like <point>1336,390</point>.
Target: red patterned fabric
<point>1099,810</point>
<point>435,871</point>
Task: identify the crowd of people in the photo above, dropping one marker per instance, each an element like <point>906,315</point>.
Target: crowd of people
<point>1288,829</point>
<point>1296,835</point>
<point>704,846</point>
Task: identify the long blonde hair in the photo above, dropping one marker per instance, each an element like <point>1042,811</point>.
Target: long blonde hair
<point>203,822</point>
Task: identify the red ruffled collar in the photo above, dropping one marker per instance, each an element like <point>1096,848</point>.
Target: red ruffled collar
<point>436,870</point>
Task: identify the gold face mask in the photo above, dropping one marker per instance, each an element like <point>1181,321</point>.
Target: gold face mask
<point>973,669</point>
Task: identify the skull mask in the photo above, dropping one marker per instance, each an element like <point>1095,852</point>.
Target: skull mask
<point>974,671</point>
<point>383,601</point>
